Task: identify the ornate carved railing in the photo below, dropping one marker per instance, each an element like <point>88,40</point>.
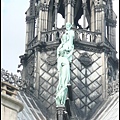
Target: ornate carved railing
<point>52,35</point>
<point>12,79</point>
<point>80,34</point>
<point>113,87</point>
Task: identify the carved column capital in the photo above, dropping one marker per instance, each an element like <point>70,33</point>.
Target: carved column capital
<point>100,8</point>
<point>57,1</point>
<point>66,2</point>
<point>41,6</point>
<point>55,4</point>
<point>73,3</point>
<point>84,5</point>
<point>45,7</point>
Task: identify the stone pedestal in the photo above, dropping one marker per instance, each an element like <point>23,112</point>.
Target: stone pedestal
<point>10,106</point>
<point>60,112</point>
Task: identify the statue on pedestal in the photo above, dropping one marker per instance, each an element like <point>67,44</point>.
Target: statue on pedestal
<point>64,58</point>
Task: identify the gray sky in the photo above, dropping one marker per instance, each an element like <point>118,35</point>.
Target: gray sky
<point>13,33</point>
<point>14,30</point>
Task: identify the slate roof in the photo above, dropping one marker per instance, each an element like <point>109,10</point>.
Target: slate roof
<point>31,109</point>
<point>109,110</point>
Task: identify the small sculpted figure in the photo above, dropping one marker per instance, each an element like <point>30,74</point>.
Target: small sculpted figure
<point>64,58</point>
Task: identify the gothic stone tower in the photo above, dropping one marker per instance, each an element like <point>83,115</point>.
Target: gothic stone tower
<point>94,63</point>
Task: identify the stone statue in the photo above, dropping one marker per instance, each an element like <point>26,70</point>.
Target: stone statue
<point>64,58</point>
<point>110,74</point>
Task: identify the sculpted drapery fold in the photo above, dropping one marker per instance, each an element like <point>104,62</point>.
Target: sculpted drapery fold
<point>64,58</point>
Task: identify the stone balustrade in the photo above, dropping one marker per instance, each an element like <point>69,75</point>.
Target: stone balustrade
<point>10,81</point>
<point>80,34</point>
<point>10,105</point>
<point>8,89</point>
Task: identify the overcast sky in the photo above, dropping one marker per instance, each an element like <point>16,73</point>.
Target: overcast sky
<point>13,31</point>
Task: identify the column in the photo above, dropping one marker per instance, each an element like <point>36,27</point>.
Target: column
<point>103,24</point>
<point>69,11</point>
<point>37,53</point>
<point>27,35</point>
<point>84,13</point>
<point>40,20</point>
<point>50,15</point>
<point>104,81</point>
<point>60,112</point>
<point>56,7</point>
<point>112,33</point>
<point>100,23</point>
<point>92,19</point>
<point>84,21</point>
<point>45,15</point>
<point>72,11</point>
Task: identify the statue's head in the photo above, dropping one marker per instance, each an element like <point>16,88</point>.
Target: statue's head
<point>68,26</point>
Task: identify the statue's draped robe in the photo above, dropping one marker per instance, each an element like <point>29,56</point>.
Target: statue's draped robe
<point>64,58</point>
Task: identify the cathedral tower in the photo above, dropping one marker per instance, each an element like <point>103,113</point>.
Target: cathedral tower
<point>94,64</point>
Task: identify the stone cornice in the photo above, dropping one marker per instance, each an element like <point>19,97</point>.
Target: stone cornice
<point>111,22</point>
<point>11,103</point>
<point>100,8</point>
<point>82,45</point>
<point>87,46</point>
<point>46,46</point>
<point>30,18</point>
<point>72,2</point>
<point>92,47</point>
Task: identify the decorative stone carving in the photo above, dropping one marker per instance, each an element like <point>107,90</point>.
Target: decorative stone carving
<point>113,87</point>
<point>51,59</point>
<point>86,59</point>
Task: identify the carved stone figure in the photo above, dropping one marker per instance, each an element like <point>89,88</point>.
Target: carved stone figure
<point>67,43</point>
<point>64,58</point>
<point>110,75</point>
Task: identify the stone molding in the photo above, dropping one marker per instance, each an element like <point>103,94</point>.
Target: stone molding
<point>11,102</point>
